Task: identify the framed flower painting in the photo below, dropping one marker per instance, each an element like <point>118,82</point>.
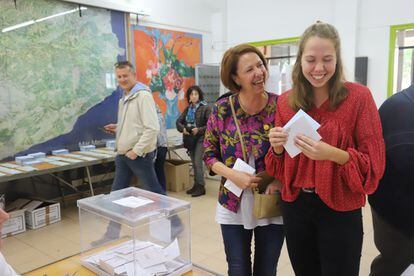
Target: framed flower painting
<point>165,62</point>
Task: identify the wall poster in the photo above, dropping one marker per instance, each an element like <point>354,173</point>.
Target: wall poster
<point>57,86</point>
<point>165,62</point>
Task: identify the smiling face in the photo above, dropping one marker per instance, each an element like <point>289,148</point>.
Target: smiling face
<point>251,73</point>
<point>126,78</point>
<point>319,62</point>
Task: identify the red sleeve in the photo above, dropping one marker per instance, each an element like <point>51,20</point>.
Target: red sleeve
<point>274,164</point>
<point>366,163</point>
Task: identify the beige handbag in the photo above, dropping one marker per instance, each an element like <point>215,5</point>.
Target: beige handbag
<point>264,206</point>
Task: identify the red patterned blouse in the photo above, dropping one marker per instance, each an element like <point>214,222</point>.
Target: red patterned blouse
<point>354,126</point>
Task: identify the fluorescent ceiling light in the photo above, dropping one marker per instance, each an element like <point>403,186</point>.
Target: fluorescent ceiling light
<point>60,14</point>
<point>21,25</point>
<point>113,5</point>
<point>30,22</point>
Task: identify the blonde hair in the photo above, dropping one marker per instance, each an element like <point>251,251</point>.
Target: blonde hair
<point>302,96</point>
<point>229,64</point>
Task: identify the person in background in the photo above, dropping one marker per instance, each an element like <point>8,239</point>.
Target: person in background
<point>136,132</point>
<point>325,186</point>
<point>136,140</point>
<point>244,73</point>
<point>192,123</point>
<point>162,148</point>
<point>392,205</point>
<point>5,268</point>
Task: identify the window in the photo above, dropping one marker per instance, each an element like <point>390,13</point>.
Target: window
<point>401,63</point>
<point>281,56</point>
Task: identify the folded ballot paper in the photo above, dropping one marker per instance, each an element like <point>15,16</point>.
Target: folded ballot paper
<point>241,166</point>
<point>303,124</point>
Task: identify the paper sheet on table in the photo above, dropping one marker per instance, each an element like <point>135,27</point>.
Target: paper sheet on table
<point>81,157</point>
<point>241,166</point>
<point>18,167</point>
<point>9,171</point>
<point>133,201</point>
<point>303,124</point>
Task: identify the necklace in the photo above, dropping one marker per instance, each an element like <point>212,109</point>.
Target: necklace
<point>253,111</point>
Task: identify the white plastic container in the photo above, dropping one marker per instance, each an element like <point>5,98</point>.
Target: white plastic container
<point>135,232</point>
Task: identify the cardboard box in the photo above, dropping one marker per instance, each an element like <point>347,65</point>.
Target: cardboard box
<point>42,215</point>
<point>177,175</point>
<point>15,224</point>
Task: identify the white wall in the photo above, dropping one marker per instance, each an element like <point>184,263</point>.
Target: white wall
<point>375,19</point>
<point>195,16</point>
<point>181,15</point>
<point>283,19</point>
<point>362,24</point>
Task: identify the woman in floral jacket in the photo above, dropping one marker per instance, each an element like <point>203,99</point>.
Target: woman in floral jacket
<point>244,72</point>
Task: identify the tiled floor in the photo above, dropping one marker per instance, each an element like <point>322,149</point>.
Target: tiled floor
<point>36,248</point>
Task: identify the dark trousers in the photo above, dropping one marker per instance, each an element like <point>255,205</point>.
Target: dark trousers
<point>321,241</point>
<point>159,166</point>
<point>237,245</point>
<point>196,156</point>
<point>396,249</point>
<point>141,167</point>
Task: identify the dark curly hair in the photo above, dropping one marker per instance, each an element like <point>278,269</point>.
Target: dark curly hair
<point>196,88</point>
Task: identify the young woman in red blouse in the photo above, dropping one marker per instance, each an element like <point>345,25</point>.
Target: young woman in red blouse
<point>324,187</point>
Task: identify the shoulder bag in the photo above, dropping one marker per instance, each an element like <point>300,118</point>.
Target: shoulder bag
<point>264,206</point>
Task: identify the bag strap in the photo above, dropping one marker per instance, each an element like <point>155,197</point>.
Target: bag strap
<point>236,122</point>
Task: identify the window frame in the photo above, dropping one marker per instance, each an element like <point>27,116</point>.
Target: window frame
<point>391,54</point>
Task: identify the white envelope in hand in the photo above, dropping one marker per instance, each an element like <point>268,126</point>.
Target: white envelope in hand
<point>241,166</point>
<point>303,124</point>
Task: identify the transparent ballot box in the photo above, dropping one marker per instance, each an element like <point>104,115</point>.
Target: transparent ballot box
<point>135,232</point>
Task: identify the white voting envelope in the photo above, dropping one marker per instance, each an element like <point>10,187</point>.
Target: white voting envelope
<point>241,166</point>
<point>303,124</point>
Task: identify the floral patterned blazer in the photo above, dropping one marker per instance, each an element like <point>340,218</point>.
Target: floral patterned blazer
<point>222,143</point>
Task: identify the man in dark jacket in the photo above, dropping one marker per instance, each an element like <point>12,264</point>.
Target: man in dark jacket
<point>392,204</point>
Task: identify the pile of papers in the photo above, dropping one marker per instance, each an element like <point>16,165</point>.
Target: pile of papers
<point>11,168</point>
<point>30,159</point>
<point>147,259</point>
<point>87,147</point>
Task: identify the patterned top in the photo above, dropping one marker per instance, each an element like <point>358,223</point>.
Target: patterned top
<point>222,143</point>
<point>354,126</point>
